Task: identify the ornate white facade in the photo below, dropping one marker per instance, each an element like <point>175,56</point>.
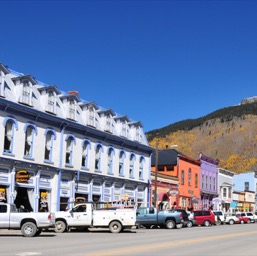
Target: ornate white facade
<point>55,148</point>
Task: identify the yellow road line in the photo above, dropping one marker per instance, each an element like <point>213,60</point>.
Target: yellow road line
<point>170,244</point>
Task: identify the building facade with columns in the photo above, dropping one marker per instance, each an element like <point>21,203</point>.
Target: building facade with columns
<point>56,149</point>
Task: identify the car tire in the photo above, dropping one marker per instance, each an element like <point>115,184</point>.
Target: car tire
<point>179,226</point>
<point>218,222</point>
<point>29,229</point>
<point>190,224</point>
<point>60,226</point>
<point>231,222</point>
<point>206,223</point>
<point>38,232</point>
<point>242,222</point>
<point>115,227</point>
<point>170,224</point>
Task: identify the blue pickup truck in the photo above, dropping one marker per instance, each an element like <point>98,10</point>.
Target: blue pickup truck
<point>149,216</point>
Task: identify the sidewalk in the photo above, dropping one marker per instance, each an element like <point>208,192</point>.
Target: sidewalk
<point>9,232</point>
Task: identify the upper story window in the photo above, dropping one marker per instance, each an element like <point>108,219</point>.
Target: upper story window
<point>9,125</point>
<point>131,165</point>
<point>141,168</point>
<point>247,185</point>
<point>202,181</point>
<point>210,183</point>
<point>110,160</point>
<point>124,131</point>
<point>214,184</point>
<point>109,124</point>
<point>121,163</point>
<point>230,192</point>
<point>50,137</point>
<point>98,154</point>
<point>196,180</point>
<point>224,192</point>
<point>189,176</point>
<point>85,152</point>
<point>2,83</point>
<point>138,134</point>
<point>29,140</point>
<point>72,110</point>
<point>26,96</point>
<point>182,177</point>
<point>70,142</point>
<point>51,102</point>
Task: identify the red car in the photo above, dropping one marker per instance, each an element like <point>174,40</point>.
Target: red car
<point>243,219</point>
<point>204,218</point>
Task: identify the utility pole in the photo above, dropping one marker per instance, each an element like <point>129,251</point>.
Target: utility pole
<point>156,173</point>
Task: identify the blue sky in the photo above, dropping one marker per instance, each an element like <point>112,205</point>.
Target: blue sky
<point>158,62</point>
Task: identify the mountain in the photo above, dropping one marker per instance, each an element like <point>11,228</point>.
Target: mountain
<point>228,134</point>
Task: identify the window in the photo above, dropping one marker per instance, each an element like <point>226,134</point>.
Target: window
<point>70,141</point>
<point>138,135</point>
<point>91,117</point>
<point>189,176</point>
<point>196,180</point>
<point>124,129</point>
<point>224,192</point>
<point>8,136</point>
<point>246,185</point>
<point>108,125</point>
<point>98,158</point>
<point>51,103</point>
<point>206,182</point>
<point>214,184</point>
<point>110,160</point>
<point>50,136</point>
<point>85,151</point>
<point>202,181</point>
<point>72,110</point>
<point>26,93</point>
<point>141,168</point>
<point>121,163</point>
<point>2,83</point>
<point>131,165</point>
<point>182,177</point>
<point>29,140</point>
<point>210,182</point>
<point>170,168</point>
<point>229,192</point>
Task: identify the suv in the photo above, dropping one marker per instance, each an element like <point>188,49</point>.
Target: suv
<point>204,218</point>
<point>249,215</point>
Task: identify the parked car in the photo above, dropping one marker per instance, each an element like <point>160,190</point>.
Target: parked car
<point>150,216</point>
<point>231,219</point>
<point>204,218</point>
<point>219,217</point>
<point>242,219</point>
<point>187,223</point>
<point>249,215</point>
<point>191,219</point>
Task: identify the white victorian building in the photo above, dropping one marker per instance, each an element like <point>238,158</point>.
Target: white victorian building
<point>56,148</point>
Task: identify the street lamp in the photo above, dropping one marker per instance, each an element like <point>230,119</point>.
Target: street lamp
<point>156,171</point>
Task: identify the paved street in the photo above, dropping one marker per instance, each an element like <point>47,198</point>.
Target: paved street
<point>225,240</point>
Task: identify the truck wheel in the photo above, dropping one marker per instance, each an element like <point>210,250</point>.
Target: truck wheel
<point>60,226</point>
<point>189,224</point>
<point>29,229</point>
<point>231,222</point>
<point>115,227</point>
<point>170,224</point>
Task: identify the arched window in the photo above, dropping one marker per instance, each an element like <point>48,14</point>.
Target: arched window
<point>70,141</point>
<point>141,167</point>
<point>30,131</point>
<point>50,136</point>
<point>98,151</point>
<point>110,160</point>
<point>131,165</point>
<point>121,163</point>
<point>8,136</point>
<point>85,151</point>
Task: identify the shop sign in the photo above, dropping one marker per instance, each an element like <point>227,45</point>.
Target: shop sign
<point>173,192</point>
<point>22,176</point>
<point>124,196</point>
<point>216,200</point>
<point>2,194</point>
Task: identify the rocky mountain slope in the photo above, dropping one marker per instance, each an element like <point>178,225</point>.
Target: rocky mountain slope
<point>228,134</point>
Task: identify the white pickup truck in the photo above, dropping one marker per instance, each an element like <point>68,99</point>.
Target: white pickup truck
<point>85,216</point>
<point>30,223</point>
